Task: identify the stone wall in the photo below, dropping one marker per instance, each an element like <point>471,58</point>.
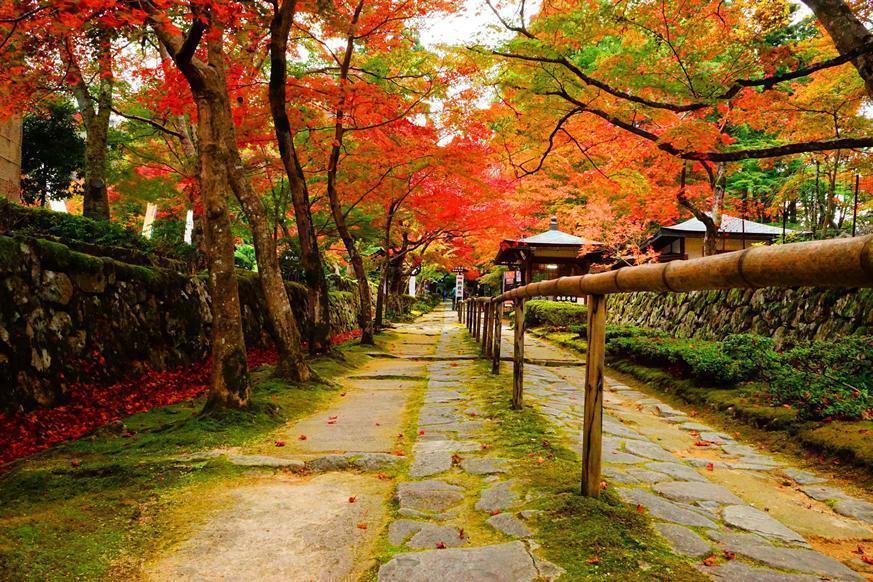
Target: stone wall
<point>783,314</point>
<point>10,158</point>
<point>66,316</point>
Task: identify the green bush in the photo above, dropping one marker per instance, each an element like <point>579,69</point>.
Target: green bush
<point>826,379</point>
<point>554,313</point>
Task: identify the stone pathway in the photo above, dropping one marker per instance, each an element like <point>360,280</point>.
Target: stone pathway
<point>315,508</point>
<point>709,494</point>
<point>451,470</point>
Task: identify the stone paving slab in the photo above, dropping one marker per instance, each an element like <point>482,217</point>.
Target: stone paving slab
<point>510,562</point>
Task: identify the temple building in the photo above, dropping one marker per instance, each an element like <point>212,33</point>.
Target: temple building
<point>548,255</point>
<point>685,240</point>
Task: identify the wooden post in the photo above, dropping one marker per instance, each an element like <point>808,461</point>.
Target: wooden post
<point>518,357</point>
<point>460,307</point>
<point>495,352</point>
<point>593,412</point>
<point>486,335</point>
<point>470,316</point>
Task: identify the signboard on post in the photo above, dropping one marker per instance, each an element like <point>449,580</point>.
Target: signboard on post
<point>459,282</point>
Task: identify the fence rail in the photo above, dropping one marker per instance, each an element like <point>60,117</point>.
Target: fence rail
<point>830,263</point>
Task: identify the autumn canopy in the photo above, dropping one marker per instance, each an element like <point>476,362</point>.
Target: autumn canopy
<point>345,145</point>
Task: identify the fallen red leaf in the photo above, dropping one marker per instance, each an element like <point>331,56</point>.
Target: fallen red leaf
<point>593,561</point>
<point>702,443</point>
<point>302,437</point>
<point>640,508</point>
<point>441,545</point>
<point>280,443</point>
<point>729,554</point>
<point>353,498</point>
<point>709,561</point>
<point>859,550</point>
<point>710,467</point>
<point>75,462</point>
<point>362,526</point>
<point>421,433</point>
<point>867,559</point>
<point>495,512</point>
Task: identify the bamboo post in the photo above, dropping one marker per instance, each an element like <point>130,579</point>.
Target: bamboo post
<point>486,335</point>
<point>495,352</point>
<point>470,315</point>
<point>518,357</point>
<point>593,411</point>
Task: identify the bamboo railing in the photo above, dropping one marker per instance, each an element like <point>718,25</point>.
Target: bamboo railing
<point>829,263</point>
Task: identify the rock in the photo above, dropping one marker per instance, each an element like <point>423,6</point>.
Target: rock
<point>529,514</point>
<point>431,535</point>
<point>648,477</point>
<point>648,450</point>
<point>56,287</point>
<point>736,571</point>
<point>617,429</point>
<point>861,510</point>
<point>824,493</point>
<point>691,492</point>
<point>797,559</point>
<point>683,540</point>
<point>677,471</point>
<point>510,525</point>
<point>264,461</point>
<point>510,561</point>
<point>620,458</point>
<point>665,510</point>
<point>756,521</point>
<point>718,438</point>
<point>483,465</point>
<point>432,457</point>
<point>802,477</point>
<point>695,426</point>
<point>497,497</point>
<point>619,476</point>
<point>400,530</point>
<point>667,411</point>
<point>430,496</point>
<point>739,450</point>
<point>91,281</point>
<point>346,461</point>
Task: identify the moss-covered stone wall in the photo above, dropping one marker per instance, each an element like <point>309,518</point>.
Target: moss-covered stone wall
<point>66,316</point>
<point>784,314</point>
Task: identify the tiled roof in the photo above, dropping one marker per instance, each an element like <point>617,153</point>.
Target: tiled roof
<point>729,224</point>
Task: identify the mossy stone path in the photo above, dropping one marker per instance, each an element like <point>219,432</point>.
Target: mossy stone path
<point>710,494</point>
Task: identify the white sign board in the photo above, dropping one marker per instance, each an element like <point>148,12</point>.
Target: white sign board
<point>459,286</point>
<point>412,285</point>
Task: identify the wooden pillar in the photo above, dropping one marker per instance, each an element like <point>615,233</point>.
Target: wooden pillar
<point>593,412</point>
<point>495,352</point>
<point>518,357</point>
<point>470,316</point>
<point>486,335</point>
<point>460,307</point>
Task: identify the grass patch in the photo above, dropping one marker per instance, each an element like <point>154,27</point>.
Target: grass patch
<point>93,508</point>
<point>591,539</point>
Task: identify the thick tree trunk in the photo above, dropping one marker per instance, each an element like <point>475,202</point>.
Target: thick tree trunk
<point>386,266</point>
<point>710,237</point>
<point>230,385</point>
<point>848,33</point>
<point>310,256</point>
<point>291,363</point>
<point>95,119</point>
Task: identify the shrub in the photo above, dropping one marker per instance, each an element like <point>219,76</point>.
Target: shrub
<point>832,379</point>
<point>554,313</point>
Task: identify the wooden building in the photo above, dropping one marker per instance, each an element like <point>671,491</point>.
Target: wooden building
<point>548,255</point>
<point>685,240</point>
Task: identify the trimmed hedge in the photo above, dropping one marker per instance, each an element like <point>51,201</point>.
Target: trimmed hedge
<point>822,380</point>
<point>554,313</point>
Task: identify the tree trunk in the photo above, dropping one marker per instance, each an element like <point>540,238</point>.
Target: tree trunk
<point>365,312</point>
<point>848,33</point>
<point>95,119</point>
<point>310,256</point>
<point>710,237</point>
<point>291,363</point>
<point>230,385</point>
<point>386,266</point>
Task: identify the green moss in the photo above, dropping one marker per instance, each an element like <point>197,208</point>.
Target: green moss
<point>851,441</point>
<point>58,257</point>
<point>9,253</point>
<point>572,529</point>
